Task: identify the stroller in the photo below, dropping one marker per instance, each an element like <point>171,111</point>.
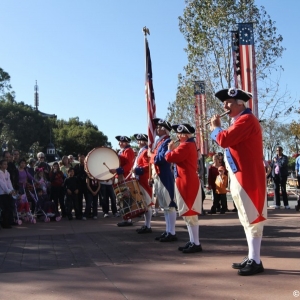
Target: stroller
<point>22,209</point>
<point>44,208</point>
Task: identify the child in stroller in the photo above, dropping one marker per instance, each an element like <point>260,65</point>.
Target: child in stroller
<point>46,207</point>
<point>23,210</point>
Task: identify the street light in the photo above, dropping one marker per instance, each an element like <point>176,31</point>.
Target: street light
<point>296,141</point>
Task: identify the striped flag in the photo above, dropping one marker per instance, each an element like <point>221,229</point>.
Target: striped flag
<point>150,99</point>
<point>247,63</point>
<point>236,59</point>
<point>200,117</point>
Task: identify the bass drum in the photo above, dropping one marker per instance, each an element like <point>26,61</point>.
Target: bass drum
<point>98,162</point>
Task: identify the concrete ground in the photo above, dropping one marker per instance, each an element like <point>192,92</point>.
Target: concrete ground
<point>95,259</point>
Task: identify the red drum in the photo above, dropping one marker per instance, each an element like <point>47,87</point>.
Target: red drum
<point>98,162</point>
<point>129,199</point>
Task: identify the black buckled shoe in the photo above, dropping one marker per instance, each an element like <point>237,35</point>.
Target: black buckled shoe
<point>193,248</point>
<point>144,226</point>
<point>124,223</point>
<point>251,268</point>
<point>169,238</point>
<point>240,265</point>
<point>184,247</point>
<point>145,230</point>
<point>161,236</point>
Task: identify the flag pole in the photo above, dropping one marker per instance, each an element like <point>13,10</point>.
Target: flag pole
<point>150,98</point>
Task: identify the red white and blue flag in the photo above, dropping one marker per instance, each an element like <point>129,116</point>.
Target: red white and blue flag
<point>200,117</point>
<point>247,63</point>
<point>150,99</point>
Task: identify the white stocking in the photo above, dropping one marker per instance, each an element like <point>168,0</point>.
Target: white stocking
<point>166,213</point>
<point>172,221</point>
<point>254,248</point>
<point>148,217</point>
<point>195,232</point>
<point>190,234</point>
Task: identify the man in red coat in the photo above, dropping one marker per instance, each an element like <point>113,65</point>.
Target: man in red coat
<point>126,156</point>
<point>244,162</point>
<point>187,184</point>
<point>141,173</point>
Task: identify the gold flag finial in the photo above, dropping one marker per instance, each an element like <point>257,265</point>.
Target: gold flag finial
<point>146,31</point>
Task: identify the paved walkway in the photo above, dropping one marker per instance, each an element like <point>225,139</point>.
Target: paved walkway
<point>95,259</point>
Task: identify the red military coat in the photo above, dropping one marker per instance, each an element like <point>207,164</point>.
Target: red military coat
<point>142,174</point>
<point>188,187</point>
<point>244,141</point>
<point>127,157</point>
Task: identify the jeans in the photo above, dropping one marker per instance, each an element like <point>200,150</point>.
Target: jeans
<point>71,201</point>
<point>57,195</point>
<point>280,182</point>
<point>106,193</point>
<point>91,201</point>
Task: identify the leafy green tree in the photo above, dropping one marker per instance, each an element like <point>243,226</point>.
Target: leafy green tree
<point>4,81</point>
<point>74,136</point>
<point>206,26</point>
<point>21,125</point>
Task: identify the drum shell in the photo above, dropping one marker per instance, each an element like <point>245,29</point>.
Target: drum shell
<point>130,199</point>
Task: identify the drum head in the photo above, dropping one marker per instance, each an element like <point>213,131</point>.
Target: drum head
<point>99,161</point>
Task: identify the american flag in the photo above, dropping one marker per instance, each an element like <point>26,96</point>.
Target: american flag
<point>150,99</point>
<point>248,65</point>
<point>200,117</point>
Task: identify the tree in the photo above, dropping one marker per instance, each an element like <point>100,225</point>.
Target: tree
<point>74,136</point>
<point>4,81</point>
<point>206,26</point>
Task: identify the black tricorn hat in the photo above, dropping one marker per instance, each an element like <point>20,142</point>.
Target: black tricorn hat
<point>123,138</point>
<point>163,123</point>
<point>233,93</point>
<point>184,128</point>
<point>141,137</point>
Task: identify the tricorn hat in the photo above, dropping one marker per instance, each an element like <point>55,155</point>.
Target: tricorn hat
<point>233,93</point>
<point>123,138</point>
<point>183,128</point>
<point>141,137</point>
<point>163,123</point>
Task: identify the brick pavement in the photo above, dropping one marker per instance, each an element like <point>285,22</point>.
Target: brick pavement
<point>95,259</point>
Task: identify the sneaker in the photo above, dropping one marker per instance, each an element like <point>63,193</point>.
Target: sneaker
<point>95,217</point>
<point>287,207</point>
<point>84,218</point>
<point>106,215</point>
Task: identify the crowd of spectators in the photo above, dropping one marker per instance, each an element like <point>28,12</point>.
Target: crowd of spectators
<point>64,183</point>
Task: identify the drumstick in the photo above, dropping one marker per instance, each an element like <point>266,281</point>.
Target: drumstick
<point>221,115</point>
<point>106,166</point>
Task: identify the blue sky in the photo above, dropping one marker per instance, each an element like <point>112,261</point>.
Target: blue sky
<point>88,56</point>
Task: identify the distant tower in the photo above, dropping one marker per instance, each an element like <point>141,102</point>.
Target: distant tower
<point>36,96</point>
